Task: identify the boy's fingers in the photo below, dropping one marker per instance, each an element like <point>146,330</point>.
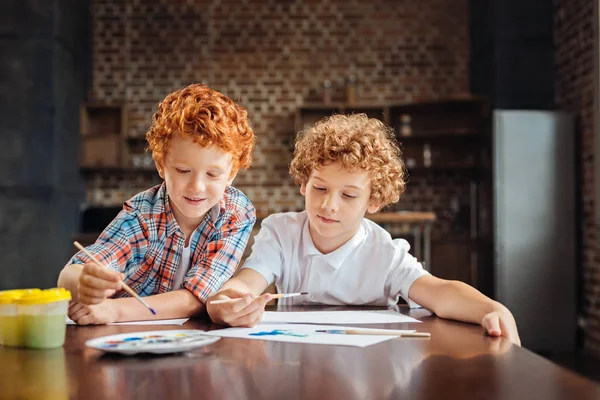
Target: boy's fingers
<point>74,308</point>
<point>492,325</point>
<point>233,318</point>
<point>102,273</point>
<point>90,301</point>
<point>254,322</point>
<point>238,308</point>
<point>80,313</point>
<point>257,320</point>
<point>265,298</point>
<point>94,282</point>
<point>512,336</point>
<point>510,332</point>
<point>249,319</point>
<point>89,296</point>
<point>256,304</point>
<point>87,291</point>
<point>239,305</point>
<point>85,320</point>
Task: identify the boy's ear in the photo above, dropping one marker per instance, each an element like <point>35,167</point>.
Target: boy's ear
<point>303,189</point>
<point>230,180</point>
<point>373,207</point>
<point>160,170</point>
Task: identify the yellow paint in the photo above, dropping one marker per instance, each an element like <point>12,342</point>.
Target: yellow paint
<point>10,331</point>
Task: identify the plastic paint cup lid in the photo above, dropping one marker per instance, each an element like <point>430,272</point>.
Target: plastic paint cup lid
<point>11,296</point>
<point>45,297</point>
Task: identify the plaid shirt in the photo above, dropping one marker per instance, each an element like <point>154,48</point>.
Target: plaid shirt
<point>145,243</point>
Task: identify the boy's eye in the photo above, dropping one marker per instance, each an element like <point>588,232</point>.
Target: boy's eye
<point>348,196</point>
<point>320,189</point>
<point>214,174</point>
<point>182,171</point>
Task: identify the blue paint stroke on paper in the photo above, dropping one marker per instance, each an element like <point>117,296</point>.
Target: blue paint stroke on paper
<point>278,332</point>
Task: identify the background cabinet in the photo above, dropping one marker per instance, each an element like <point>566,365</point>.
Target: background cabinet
<point>106,146</point>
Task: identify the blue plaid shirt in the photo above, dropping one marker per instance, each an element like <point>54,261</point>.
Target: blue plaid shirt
<point>145,243</point>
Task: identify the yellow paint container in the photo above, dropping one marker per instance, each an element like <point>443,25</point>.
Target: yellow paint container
<point>42,317</point>
<point>11,334</point>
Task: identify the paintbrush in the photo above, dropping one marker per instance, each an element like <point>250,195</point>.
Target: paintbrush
<point>275,296</point>
<point>387,332</point>
<point>123,285</point>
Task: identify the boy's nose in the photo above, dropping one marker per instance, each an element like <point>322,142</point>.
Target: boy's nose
<point>198,184</point>
<point>329,204</point>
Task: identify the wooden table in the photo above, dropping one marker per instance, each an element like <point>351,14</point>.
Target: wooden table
<point>458,362</point>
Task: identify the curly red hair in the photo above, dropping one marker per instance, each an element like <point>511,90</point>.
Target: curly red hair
<point>356,142</point>
<point>206,116</point>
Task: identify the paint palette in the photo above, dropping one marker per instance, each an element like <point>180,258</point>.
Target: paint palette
<point>156,342</point>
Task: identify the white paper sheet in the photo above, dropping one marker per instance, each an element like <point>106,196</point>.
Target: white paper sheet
<point>179,321</point>
<point>336,317</point>
<point>298,333</point>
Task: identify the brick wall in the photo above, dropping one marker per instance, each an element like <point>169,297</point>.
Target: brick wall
<point>273,56</point>
<point>574,40</point>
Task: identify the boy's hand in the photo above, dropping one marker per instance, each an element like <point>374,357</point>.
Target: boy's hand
<point>96,284</point>
<point>98,314</point>
<point>501,323</point>
<point>245,310</point>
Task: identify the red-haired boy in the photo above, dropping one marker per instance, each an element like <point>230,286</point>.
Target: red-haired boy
<point>179,242</point>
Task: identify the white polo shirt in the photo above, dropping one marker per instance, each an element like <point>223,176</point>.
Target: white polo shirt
<point>369,269</point>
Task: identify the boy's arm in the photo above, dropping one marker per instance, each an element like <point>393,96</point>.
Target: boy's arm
<point>246,281</point>
<point>247,305</point>
<point>459,301</point>
<point>261,268</point>
<point>176,304</point>
<point>222,256</point>
<point>113,250</point>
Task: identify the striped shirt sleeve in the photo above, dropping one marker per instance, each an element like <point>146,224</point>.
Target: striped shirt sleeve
<point>120,244</point>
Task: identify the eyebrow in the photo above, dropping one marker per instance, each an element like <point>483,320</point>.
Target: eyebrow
<point>347,186</point>
<point>210,167</point>
<point>216,169</point>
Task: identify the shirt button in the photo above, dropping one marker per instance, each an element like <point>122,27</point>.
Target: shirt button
<point>312,298</point>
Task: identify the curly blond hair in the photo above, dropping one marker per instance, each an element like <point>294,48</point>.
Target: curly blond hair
<point>357,142</point>
<point>206,116</point>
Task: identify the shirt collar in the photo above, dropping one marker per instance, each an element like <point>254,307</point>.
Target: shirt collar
<point>172,226</point>
<point>337,257</point>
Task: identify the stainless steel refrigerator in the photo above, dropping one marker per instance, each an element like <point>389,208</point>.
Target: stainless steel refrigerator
<point>535,227</point>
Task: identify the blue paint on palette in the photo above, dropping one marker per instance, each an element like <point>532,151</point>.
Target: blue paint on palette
<point>278,332</point>
<point>139,342</point>
<point>109,346</point>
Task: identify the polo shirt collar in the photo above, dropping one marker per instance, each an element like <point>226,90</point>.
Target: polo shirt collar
<point>338,256</point>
